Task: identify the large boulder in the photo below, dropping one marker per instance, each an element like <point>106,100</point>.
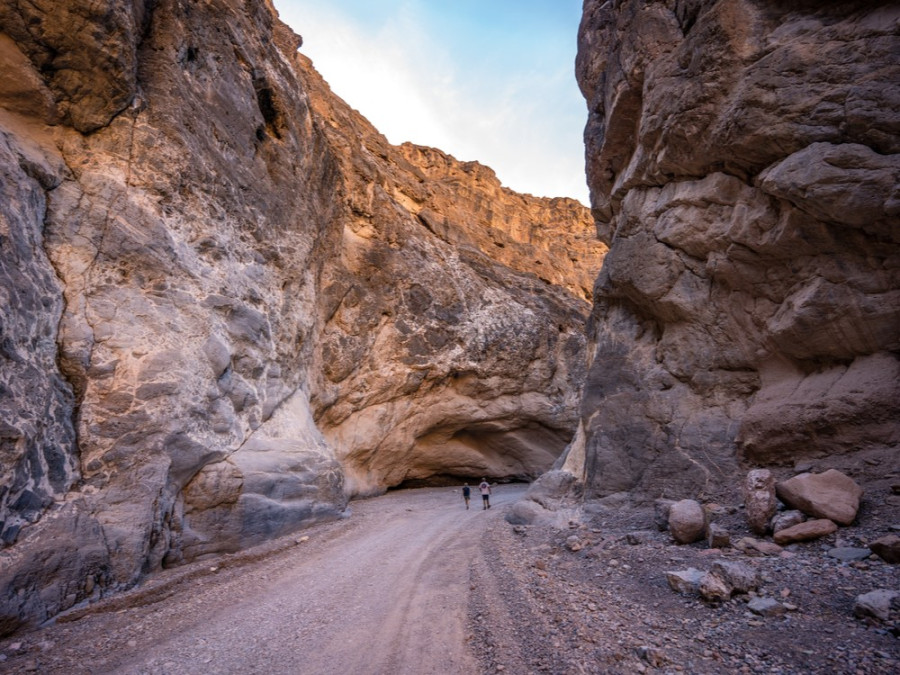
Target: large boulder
<point>743,160</point>
<point>687,521</point>
<point>759,499</point>
<point>831,495</point>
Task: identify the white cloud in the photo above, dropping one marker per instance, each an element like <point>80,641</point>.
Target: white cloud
<point>405,81</point>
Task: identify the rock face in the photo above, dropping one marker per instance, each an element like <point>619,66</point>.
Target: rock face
<point>453,317</point>
<point>743,159</point>
<point>229,303</point>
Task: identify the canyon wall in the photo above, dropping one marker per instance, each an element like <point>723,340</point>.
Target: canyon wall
<point>229,304</point>
<point>453,318</point>
<point>743,162</point>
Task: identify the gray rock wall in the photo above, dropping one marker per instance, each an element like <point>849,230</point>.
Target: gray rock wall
<point>744,164</point>
<point>165,235</point>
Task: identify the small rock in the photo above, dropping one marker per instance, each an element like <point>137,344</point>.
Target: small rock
<point>639,537</point>
<point>574,543</point>
<point>849,554</point>
<point>831,495</point>
<point>742,578</point>
<point>213,569</point>
<point>878,603</point>
<point>752,546</point>
<point>717,537</point>
<point>766,607</point>
<point>759,499</point>
<point>786,519</point>
<point>887,548</point>
<point>303,539</point>
<point>714,588</point>
<point>661,508</point>
<point>687,521</point>
<point>811,529</point>
<point>520,530</point>
<point>685,582</point>
<point>652,655</point>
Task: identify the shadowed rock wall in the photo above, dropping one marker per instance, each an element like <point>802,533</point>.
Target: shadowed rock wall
<point>744,168</point>
<point>229,304</point>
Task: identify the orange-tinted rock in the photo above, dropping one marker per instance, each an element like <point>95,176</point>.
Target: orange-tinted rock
<point>806,531</point>
<point>831,495</point>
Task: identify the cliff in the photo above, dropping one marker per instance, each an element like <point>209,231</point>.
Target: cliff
<point>743,165</point>
<point>229,304</point>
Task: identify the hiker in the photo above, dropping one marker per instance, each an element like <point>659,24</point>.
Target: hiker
<point>467,492</point>
<point>485,488</point>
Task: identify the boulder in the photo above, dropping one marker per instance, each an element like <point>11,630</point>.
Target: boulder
<point>752,546</point>
<point>759,499</point>
<point>713,588</point>
<point>849,553</point>
<point>741,577</point>
<point>687,521</point>
<point>526,512</point>
<point>887,548</point>
<point>881,604</point>
<point>661,508</point>
<point>806,531</point>
<point>786,519</point>
<point>832,495</point>
<point>717,536</point>
<point>685,582</point>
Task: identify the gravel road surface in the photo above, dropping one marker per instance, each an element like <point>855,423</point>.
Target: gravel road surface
<point>385,591</point>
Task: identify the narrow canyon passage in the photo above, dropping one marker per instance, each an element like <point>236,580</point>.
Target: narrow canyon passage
<point>385,591</point>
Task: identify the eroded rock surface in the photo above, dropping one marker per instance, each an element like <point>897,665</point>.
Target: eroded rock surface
<point>229,303</point>
<point>744,164</point>
<point>453,316</point>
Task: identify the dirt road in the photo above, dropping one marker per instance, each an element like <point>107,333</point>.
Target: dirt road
<point>386,591</point>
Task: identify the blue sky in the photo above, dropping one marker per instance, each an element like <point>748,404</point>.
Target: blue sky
<point>485,80</point>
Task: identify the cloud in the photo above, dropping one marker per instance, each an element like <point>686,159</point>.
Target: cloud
<point>402,75</point>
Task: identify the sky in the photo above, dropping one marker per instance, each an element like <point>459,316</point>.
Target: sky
<point>485,80</point>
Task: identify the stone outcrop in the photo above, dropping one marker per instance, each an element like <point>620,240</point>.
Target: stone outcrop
<point>744,163</point>
<point>229,304</point>
<point>453,317</point>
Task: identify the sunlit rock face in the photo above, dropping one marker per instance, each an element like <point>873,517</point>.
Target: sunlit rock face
<point>744,168</point>
<point>228,304</point>
<point>453,339</point>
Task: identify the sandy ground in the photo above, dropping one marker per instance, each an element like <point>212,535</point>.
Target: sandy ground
<point>385,591</point>
<point>414,583</point>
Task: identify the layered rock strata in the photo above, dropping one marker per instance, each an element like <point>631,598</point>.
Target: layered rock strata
<point>229,304</point>
<point>744,165</point>
<point>453,316</point>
